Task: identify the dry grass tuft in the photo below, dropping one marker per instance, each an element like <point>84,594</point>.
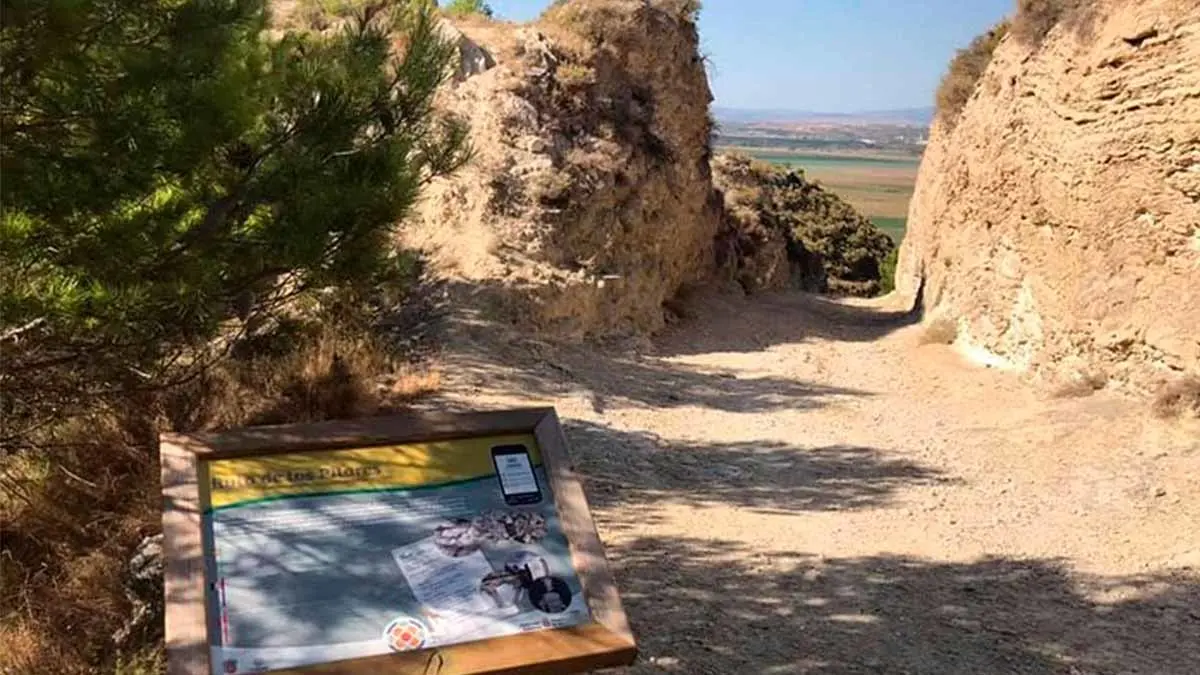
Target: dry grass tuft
<point>150,661</point>
<point>593,20</point>
<point>941,330</point>
<point>412,383</point>
<point>575,75</point>
<point>72,513</point>
<point>688,10</point>
<point>298,374</point>
<point>1034,19</point>
<point>22,646</point>
<point>69,523</point>
<point>966,68</point>
<point>1179,399</point>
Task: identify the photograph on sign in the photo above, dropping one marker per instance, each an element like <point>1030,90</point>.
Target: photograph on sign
<point>327,555</point>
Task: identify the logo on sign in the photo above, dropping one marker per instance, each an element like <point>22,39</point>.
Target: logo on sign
<point>405,633</point>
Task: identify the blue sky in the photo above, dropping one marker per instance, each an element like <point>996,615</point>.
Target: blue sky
<point>826,55</point>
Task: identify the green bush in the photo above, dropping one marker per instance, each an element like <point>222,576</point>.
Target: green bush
<point>461,8</point>
<point>887,272</point>
<point>168,167</point>
<point>851,248</point>
<point>962,77</point>
<point>822,231</point>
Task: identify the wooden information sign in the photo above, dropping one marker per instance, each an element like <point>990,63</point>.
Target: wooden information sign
<point>453,544</point>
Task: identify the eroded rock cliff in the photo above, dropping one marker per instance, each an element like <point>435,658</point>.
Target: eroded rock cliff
<point>1058,221</point>
<point>590,201</point>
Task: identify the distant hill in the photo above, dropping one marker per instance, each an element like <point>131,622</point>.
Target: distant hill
<point>909,116</point>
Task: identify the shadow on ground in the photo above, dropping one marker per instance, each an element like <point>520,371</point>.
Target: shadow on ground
<point>498,357</point>
<point>634,373</point>
<point>630,468</point>
<point>612,378</point>
<point>730,323</point>
<point>715,608</point>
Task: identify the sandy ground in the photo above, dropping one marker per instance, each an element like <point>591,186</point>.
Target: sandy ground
<point>788,485</point>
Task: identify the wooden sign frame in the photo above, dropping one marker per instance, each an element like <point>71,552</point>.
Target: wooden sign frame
<point>604,642</point>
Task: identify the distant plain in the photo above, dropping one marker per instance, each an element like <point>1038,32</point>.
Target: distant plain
<point>879,186</point>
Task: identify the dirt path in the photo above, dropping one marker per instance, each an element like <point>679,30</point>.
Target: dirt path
<point>792,486</point>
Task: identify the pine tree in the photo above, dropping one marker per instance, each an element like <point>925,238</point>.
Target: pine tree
<point>169,163</point>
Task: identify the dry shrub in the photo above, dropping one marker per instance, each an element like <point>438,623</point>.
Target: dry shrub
<point>573,75</point>
<point>596,18</point>
<point>1035,19</point>
<point>24,649</point>
<point>72,513</point>
<point>568,12</point>
<point>940,330</point>
<point>1180,398</point>
<point>412,383</point>
<point>684,9</point>
<point>966,68</point>
<point>149,661</point>
<point>329,374</point>
<point>68,528</point>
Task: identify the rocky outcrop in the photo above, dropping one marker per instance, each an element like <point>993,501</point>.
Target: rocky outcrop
<point>472,58</point>
<point>589,202</point>
<point>1058,222</point>
<point>782,230</point>
<point>143,588</point>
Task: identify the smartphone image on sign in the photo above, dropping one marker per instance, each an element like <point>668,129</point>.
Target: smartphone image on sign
<point>515,471</point>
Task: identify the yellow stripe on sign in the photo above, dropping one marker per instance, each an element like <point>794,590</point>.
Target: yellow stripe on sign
<point>230,482</point>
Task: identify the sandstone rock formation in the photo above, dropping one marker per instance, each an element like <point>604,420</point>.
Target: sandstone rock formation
<point>1059,221</point>
<point>589,202</point>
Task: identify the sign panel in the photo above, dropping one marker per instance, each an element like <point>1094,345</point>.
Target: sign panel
<point>321,556</point>
<point>313,556</point>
